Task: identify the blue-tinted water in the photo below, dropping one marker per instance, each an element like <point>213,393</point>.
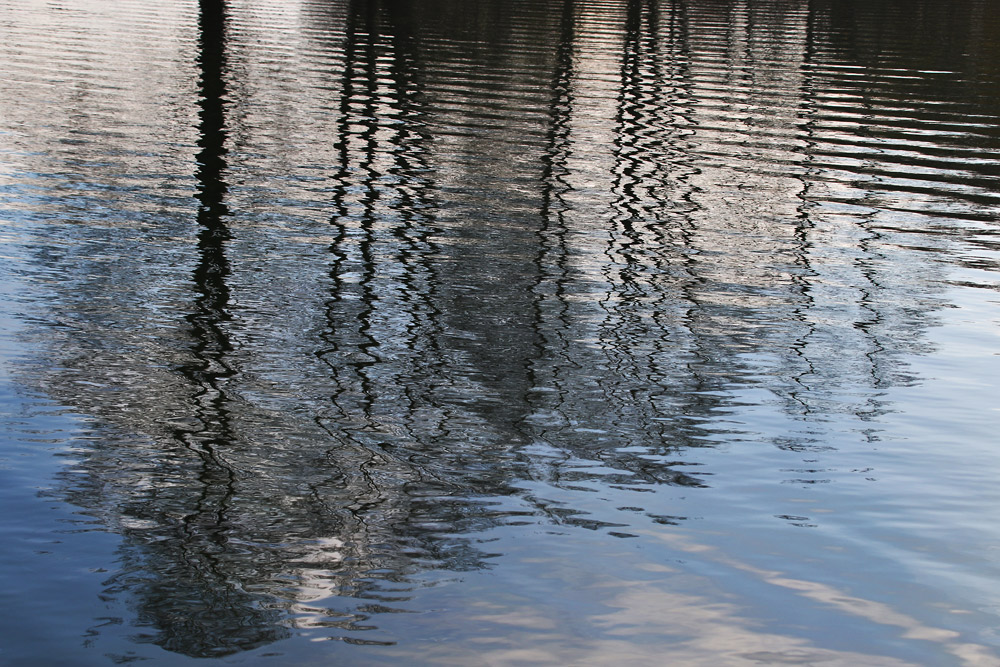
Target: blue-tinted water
<point>500,333</point>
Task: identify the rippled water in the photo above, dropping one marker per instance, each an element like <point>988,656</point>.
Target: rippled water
<point>500,332</point>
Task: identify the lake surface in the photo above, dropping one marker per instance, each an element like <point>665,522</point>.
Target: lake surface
<point>500,332</point>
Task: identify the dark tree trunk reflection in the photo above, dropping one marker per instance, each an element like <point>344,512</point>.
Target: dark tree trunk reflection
<point>196,600</point>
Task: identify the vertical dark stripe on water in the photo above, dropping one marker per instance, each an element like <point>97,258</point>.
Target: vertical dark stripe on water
<point>195,599</point>
<point>211,342</point>
<point>551,261</point>
<point>354,467</point>
<point>357,107</point>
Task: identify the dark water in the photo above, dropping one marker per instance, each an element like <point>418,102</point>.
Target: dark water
<point>500,332</point>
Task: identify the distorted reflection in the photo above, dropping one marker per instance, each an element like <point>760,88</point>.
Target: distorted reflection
<point>449,269</point>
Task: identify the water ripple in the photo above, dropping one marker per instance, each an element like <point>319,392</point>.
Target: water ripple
<point>477,320</point>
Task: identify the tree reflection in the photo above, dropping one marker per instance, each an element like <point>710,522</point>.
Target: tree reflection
<point>560,243</point>
<point>196,598</point>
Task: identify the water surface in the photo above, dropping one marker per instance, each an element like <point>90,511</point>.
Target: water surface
<point>495,333</point>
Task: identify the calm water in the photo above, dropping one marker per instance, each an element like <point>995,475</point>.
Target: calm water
<point>500,332</point>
